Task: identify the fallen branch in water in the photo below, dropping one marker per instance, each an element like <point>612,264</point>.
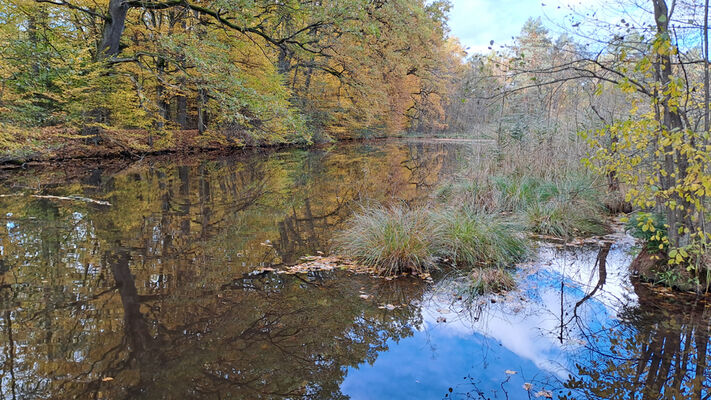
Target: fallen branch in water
<point>72,198</point>
<point>69,198</point>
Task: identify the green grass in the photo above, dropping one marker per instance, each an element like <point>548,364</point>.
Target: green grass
<point>558,206</point>
<point>516,192</point>
<point>563,220</point>
<point>567,208</point>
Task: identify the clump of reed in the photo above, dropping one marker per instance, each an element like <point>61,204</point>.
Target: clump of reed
<point>556,206</point>
<point>489,280</point>
<point>478,222</point>
<point>474,239</point>
<point>393,240</point>
<point>400,239</point>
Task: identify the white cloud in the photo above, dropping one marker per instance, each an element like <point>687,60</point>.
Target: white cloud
<point>477,22</point>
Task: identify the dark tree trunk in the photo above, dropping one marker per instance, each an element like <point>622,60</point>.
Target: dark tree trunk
<point>181,111</point>
<point>202,115</point>
<point>284,61</point>
<point>163,105</point>
<point>134,324</point>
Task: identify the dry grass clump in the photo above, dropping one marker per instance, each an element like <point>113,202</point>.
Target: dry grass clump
<point>490,280</point>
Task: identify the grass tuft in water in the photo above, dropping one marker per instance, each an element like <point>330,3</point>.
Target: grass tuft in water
<point>393,240</point>
<point>567,208</point>
<point>400,239</point>
<point>563,207</point>
<point>472,239</point>
<point>489,280</point>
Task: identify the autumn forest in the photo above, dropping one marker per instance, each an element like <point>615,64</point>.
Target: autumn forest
<point>355,199</point>
<point>249,72</point>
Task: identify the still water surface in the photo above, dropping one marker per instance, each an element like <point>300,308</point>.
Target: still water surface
<point>154,296</point>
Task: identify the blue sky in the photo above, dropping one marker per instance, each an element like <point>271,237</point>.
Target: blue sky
<point>476,22</point>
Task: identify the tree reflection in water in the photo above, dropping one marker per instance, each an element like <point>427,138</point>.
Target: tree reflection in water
<point>148,298</point>
<point>658,350</point>
<point>152,297</point>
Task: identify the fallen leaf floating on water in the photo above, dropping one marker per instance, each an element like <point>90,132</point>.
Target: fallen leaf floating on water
<point>107,379</point>
<point>389,307</point>
<point>442,311</point>
<point>545,394</point>
<point>364,296</point>
<point>441,320</point>
<point>510,372</point>
<point>527,386</point>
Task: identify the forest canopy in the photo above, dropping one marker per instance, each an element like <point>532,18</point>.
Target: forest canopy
<point>246,71</point>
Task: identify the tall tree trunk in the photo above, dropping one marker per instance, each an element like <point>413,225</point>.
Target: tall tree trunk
<point>32,35</point>
<point>706,70</point>
<point>181,111</point>
<point>163,105</point>
<point>202,114</point>
<point>675,163</point>
<point>113,28</point>
<point>284,61</point>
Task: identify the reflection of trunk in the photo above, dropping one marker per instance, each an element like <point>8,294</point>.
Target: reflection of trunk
<point>134,324</point>
<point>205,211</point>
<point>655,348</point>
<point>10,354</point>
<point>184,176</point>
<point>702,342</point>
<point>144,349</point>
<point>668,347</point>
<point>310,223</point>
<point>601,263</point>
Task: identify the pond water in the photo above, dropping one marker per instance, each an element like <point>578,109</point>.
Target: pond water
<point>155,296</point>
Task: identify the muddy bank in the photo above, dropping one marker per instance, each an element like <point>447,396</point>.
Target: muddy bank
<point>47,146</point>
<point>53,144</point>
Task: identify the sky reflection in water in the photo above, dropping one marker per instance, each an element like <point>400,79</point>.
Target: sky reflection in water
<point>473,350</point>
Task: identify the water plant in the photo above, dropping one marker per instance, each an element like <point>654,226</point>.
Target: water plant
<point>393,240</point>
<point>401,239</point>
<point>474,239</point>
<point>489,280</point>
